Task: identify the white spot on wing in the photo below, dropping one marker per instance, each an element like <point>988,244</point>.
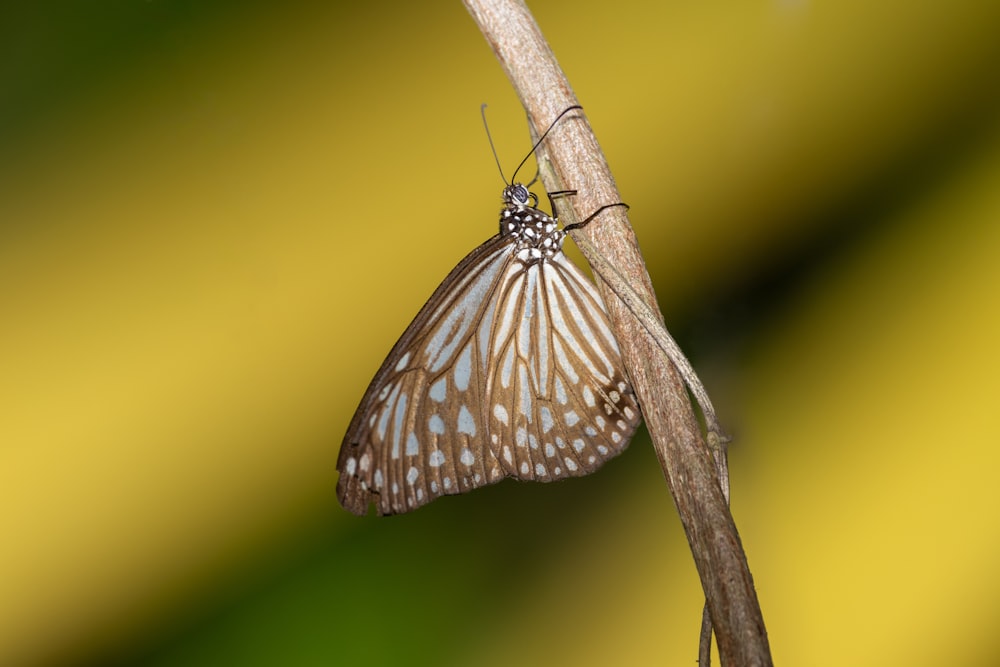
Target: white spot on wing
<point>522,380</point>
<point>500,412</point>
<point>411,475</point>
<point>542,361</point>
<point>438,390</point>
<point>436,458</point>
<point>564,363</point>
<point>507,369</point>
<point>466,424</point>
<point>435,424</point>
<point>412,446</point>
<point>570,464</point>
<point>405,359</point>
<point>397,424</point>
<point>463,369</point>
<point>467,457</point>
<point>383,421</point>
<point>524,330</point>
<point>561,392</point>
<point>547,421</point>
<point>509,305</point>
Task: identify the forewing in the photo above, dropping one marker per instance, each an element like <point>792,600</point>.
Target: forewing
<point>418,432</point>
<point>558,403</point>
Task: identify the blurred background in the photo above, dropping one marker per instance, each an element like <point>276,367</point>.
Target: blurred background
<point>216,217</point>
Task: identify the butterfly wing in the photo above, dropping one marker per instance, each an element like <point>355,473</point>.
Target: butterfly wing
<point>558,401</point>
<point>418,432</point>
<point>510,369</point>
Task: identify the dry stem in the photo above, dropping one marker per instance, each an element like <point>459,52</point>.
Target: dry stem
<point>687,463</point>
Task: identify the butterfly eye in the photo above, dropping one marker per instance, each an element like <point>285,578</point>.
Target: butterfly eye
<point>517,194</point>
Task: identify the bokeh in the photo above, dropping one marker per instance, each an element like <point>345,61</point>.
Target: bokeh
<point>216,218</point>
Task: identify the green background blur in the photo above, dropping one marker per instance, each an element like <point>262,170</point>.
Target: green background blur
<point>216,218</point>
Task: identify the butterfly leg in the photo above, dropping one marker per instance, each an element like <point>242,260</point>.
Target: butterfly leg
<point>552,199</point>
<point>578,225</point>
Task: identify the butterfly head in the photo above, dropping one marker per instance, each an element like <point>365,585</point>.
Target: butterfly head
<point>518,195</point>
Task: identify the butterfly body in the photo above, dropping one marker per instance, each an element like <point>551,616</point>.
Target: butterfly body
<point>509,370</point>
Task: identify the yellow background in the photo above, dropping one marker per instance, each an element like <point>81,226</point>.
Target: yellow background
<point>216,218</point>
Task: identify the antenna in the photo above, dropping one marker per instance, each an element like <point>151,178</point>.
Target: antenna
<point>542,138</point>
<point>482,110</point>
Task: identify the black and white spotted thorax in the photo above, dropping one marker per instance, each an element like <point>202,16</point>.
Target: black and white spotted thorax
<point>535,233</point>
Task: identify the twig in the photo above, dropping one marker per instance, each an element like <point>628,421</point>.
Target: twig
<point>688,465</point>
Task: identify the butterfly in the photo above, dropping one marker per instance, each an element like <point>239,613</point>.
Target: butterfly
<point>509,370</point>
